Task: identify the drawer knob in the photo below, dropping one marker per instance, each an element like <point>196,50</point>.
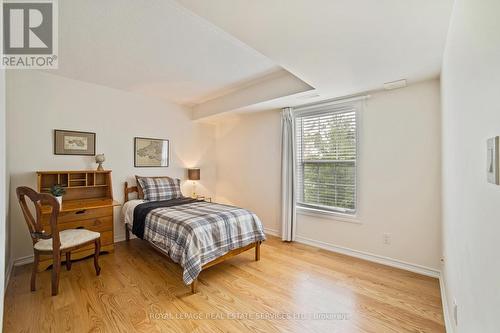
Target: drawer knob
<point>80,211</point>
<point>80,227</point>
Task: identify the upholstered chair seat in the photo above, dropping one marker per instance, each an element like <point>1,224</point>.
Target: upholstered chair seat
<point>69,238</point>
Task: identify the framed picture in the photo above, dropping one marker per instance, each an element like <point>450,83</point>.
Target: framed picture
<point>150,152</point>
<point>492,161</point>
<point>74,143</point>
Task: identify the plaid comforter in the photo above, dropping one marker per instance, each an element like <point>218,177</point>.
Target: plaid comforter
<point>196,233</point>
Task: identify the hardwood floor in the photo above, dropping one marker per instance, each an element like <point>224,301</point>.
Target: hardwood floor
<point>141,291</point>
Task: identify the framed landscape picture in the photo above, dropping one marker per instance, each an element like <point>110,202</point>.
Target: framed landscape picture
<point>150,152</point>
<point>74,143</point>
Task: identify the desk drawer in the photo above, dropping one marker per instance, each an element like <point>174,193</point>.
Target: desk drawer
<point>106,239</point>
<point>98,224</point>
<point>83,214</point>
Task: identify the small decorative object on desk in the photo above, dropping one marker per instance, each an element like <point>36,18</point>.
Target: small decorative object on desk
<point>58,191</point>
<point>99,159</point>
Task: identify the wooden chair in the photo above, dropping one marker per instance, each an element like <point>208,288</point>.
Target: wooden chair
<point>55,242</point>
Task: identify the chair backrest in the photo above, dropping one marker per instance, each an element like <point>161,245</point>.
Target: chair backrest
<point>35,225</point>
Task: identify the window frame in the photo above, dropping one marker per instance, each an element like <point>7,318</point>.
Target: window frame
<point>324,108</point>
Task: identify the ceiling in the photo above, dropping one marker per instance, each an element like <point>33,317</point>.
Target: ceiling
<point>154,47</point>
<point>224,55</point>
<point>340,47</point>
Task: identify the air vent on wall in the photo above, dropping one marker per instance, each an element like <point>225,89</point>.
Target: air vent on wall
<point>395,84</point>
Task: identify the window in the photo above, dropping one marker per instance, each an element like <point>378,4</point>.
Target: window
<point>326,147</point>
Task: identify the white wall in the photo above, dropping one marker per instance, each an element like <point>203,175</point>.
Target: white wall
<point>471,206</point>
<point>38,103</point>
<point>399,175</point>
<point>248,164</point>
<point>3,197</point>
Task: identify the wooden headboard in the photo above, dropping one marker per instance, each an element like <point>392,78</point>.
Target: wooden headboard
<point>128,190</point>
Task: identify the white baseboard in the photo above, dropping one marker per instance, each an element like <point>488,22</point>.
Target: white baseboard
<point>448,323</point>
<point>371,257</point>
<point>122,238</point>
<point>272,232</point>
<point>23,260</point>
<point>119,238</point>
<point>10,266</point>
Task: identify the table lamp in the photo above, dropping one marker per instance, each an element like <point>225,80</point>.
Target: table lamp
<point>194,175</point>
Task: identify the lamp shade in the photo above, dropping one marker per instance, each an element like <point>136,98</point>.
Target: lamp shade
<point>194,174</point>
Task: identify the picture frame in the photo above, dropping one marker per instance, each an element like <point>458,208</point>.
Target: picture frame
<point>151,152</point>
<point>68,142</point>
<point>492,160</point>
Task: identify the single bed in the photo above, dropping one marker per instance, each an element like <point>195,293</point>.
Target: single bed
<point>193,233</point>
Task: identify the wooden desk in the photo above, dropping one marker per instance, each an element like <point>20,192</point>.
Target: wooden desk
<point>87,204</point>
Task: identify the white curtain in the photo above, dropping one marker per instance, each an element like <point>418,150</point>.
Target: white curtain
<point>288,195</point>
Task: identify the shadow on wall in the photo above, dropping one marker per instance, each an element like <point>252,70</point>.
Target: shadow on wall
<point>228,125</point>
<point>248,163</point>
<point>19,235</point>
<point>207,172</point>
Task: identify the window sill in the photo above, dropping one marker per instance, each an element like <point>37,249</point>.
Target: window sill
<point>328,215</point>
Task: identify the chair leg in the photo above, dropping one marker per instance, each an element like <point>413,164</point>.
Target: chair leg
<point>56,269</point>
<point>68,261</point>
<point>35,269</point>
<point>96,256</point>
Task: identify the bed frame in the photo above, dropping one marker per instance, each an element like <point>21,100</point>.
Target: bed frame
<point>230,254</point>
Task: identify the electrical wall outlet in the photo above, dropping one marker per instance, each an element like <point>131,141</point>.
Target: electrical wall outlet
<point>387,238</point>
